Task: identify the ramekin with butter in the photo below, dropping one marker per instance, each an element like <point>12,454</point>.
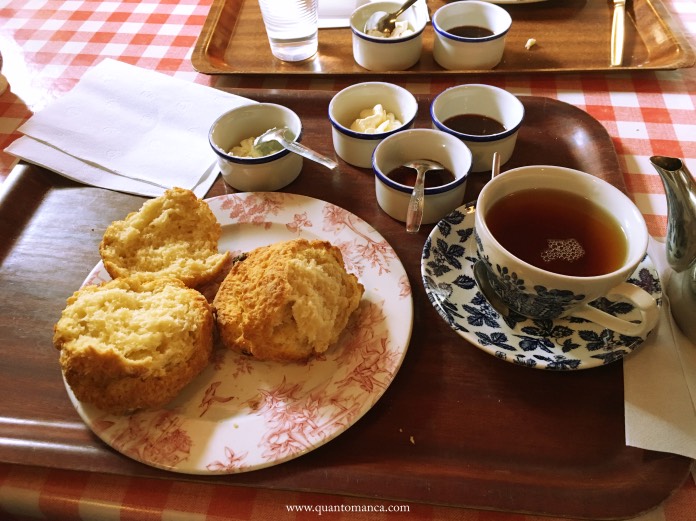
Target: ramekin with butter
<point>364,114</point>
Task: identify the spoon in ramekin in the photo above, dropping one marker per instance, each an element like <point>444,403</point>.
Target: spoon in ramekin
<point>385,23</point>
<point>414,213</point>
<point>280,135</point>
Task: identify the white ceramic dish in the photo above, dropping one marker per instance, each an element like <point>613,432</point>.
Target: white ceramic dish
<point>454,52</point>
<point>412,145</point>
<point>379,54</point>
<point>354,147</point>
<point>240,414</point>
<point>561,345</point>
<point>486,100</point>
<point>255,174</point>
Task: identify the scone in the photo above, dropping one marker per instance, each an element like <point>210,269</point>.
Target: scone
<point>286,301</point>
<point>133,342</point>
<point>175,234</point>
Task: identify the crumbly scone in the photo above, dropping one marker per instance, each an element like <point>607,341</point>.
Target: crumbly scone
<point>133,342</point>
<point>286,301</point>
<point>175,234</point>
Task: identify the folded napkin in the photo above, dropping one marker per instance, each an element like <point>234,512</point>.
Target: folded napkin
<point>336,13</point>
<point>660,382</point>
<point>128,129</point>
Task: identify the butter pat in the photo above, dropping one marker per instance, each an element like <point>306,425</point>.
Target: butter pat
<point>247,149</point>
<point>375,120</point>
<point>400,29</point>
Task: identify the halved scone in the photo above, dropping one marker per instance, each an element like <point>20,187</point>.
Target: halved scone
<point>175,235</point>
<point>133,342</point>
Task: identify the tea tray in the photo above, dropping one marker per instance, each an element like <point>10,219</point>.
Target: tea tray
<point>571,35</point>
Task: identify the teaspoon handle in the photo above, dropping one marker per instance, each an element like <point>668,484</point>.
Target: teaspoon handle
<point>404,7</point>
<point>302,150</point>
<point>414,214</point>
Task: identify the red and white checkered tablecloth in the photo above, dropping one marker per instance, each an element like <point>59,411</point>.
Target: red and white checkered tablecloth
<point>47,45</point>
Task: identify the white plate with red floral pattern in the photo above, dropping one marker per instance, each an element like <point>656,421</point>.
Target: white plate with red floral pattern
<point>240,414</point>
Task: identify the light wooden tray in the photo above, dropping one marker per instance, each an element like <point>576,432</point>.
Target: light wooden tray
<point>571,35</point>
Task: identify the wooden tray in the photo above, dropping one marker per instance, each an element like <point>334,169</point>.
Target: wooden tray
<point>486,434</point>
<point>572,35</point>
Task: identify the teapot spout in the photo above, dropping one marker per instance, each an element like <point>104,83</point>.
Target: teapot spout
<point>680,190</point>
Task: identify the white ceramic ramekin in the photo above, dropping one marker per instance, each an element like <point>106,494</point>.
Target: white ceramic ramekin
<point>380,54</point>
<point>462,53</point>
<point>355,147</point>
<point>255,174</point>
<point>411,145</point>
<point>485,100</point>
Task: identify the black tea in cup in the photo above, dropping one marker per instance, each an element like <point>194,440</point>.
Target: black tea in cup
<point>558,231</point>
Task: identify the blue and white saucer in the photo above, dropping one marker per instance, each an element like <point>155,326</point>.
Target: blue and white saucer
<point>562,344</point>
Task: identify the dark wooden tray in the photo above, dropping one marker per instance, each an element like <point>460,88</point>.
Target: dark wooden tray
<point>486,434</point>
<point>572,35</point>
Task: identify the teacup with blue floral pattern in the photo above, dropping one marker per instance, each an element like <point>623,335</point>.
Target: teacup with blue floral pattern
<point>540,294</point>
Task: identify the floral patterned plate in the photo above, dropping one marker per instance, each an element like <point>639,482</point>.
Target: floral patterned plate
<point>240,414</point>
<point>562,344</point>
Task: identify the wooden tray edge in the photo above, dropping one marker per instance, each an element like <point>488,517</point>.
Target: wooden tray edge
<point>686,57</point>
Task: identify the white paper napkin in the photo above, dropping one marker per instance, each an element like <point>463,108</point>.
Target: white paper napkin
<point>660,382</point>
<point>128,129</point>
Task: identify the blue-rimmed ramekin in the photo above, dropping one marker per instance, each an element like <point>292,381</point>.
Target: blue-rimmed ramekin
<point>355,147</point>
<point>485,100</point>
<point>380,54</point>
<point>255,174</point>
<point>417,144</point>
<point>454,52</point>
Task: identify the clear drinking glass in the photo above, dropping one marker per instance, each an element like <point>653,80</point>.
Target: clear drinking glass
<point>292,28</point>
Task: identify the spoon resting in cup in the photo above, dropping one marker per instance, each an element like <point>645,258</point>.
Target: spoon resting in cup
<point>280,135</point>
<point>484,284</point>
<point>414,213</point>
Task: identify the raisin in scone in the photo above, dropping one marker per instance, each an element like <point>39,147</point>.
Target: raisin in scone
<point>287,301</point>
<point>133,342</point>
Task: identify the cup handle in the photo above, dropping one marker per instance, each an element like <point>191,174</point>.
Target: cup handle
<point>641,299</point>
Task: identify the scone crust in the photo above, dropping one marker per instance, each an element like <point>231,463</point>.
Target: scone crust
<point>145,361</point>
<point>175,234</point>
<point>287,301</point>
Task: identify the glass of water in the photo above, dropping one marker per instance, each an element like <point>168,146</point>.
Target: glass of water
<point>292,28</point>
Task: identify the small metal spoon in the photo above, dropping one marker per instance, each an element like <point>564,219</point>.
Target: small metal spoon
<point>386,22</point>
<point>480,269</point>
<point>280,135</point>
<point>495,167</point>
<point>414,214</point>
<point>484,284</point>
